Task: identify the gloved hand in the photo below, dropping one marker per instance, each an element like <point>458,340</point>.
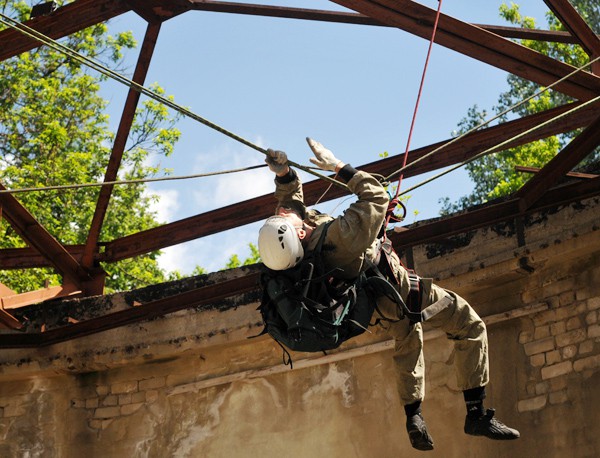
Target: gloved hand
<point>324,159</point>
<point>277,161</point>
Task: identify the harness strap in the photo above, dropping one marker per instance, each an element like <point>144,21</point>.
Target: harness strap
<point>414,299</point>
<point>412,308</point>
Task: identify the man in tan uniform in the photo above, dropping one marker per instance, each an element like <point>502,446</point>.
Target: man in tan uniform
<point>350,239</point>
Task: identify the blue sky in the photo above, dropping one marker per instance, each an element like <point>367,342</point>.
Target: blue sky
<point>276,81</point>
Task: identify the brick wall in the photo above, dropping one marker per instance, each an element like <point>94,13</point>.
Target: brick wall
<point>193,384</point>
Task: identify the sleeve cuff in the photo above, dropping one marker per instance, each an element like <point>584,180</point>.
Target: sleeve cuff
<point>347,172</point>
<point>288,178</point>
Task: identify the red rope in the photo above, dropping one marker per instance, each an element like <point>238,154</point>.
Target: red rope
<point>412,124</point>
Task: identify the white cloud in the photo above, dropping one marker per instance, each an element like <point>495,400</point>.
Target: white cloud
<point>227,189</point>
<point>167,205</point>
<point>174,258</point>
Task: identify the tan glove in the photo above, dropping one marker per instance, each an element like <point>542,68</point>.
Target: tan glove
<point>277,161</point>
<point>324,159</point>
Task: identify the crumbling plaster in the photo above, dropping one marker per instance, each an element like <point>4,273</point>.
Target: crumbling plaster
<point>193,383</point>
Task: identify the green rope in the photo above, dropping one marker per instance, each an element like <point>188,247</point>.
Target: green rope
<point>499,146</point>
<point>121,182</point>
<point>508,110</point>
<point>34,34</point>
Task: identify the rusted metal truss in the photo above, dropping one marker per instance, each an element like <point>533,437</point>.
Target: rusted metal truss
<point>488,44</point>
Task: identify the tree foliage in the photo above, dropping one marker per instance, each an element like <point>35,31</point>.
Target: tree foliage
<point>234,260</point>
<point>54,130</point>
<point>495,175</point>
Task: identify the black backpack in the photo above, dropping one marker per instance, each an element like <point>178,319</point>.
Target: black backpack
<point>307,309</point>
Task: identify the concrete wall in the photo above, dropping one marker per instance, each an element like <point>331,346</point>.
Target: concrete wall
<point>192,384</point>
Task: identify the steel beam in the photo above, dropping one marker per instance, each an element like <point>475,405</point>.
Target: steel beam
<point>259,208</point>
<point>116,156</point>
<point>38,237</point>
<point>27,258</point>
<point>586,176</point>
<point>64,21</point>
<point>479,44</point>
<point>84,13</point>
<point>205,295</point>
<point>574,23</point>
<point>210,294</point>
<point>491,214</point>
<point>577,150</point>
<point>33,297</point>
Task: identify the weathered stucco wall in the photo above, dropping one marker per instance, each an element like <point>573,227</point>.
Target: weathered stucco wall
<point>192,384</point>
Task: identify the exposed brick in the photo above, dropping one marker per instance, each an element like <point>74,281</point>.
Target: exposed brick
<point>553,357</point>
<point>558,383</point>
<point>542,388</point>
<point>573,323</point>
<point>569,351</point>
<point>594,331</point>
<point>125,399</point>
<point>593,303</point>
<point>581,294</point>
<point>553,302</point>
<point>566,312</point>
<point>91,403</point>
<point>592,317</point>
<point>95,424</point>
<point>571,337</point>
<point>558,328</point>
<point>555,288</point>
<point>102,390</point>
<point>559,397</point>
<point>568,297</point>
<point>586,346</point>
<point>541,332</point>
<point>131,408</point>
<point>530,388</point>
<point>538,360</point>
<point>138,397</point>
<point>591,362</point>
<point>557,370</point>
<point>527,405</point>
<point>106,423</point>
<point>110,400</point>
<point>152,383</point>
<point>539,346</point>
<point>124,387</point>
<point>525,336</point>
<point>107,412</point>
<point>531,295</point>
<point>544,317</point>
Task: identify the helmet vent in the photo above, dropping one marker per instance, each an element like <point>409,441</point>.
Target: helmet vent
<point>282,229</point>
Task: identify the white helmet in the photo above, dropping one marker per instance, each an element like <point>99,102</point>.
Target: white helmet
<point>278,244</point>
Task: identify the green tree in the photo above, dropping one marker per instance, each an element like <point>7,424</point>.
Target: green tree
<point>54,130</point>
<point>495,175</point>
<point>234,260</point>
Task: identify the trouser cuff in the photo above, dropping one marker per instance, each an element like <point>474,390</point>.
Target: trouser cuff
<point>412,409</point>
<point>474,394</point>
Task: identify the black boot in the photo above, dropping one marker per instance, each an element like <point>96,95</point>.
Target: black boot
<point>488,426</point>
<point>417,432</point>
